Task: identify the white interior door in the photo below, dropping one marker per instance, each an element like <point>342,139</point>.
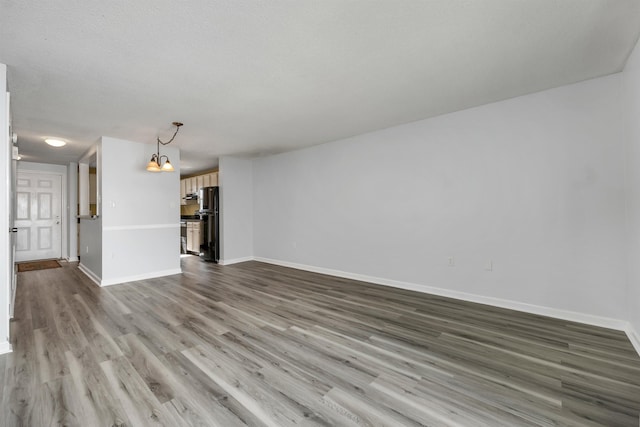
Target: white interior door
<point>38,216</point>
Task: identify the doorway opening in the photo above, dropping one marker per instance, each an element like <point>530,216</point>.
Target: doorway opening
<point>38,216</point>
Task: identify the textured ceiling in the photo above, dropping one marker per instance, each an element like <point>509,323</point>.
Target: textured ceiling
<point>256,77</point>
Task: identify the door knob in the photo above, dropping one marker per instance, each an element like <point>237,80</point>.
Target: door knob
<point>13,230</point>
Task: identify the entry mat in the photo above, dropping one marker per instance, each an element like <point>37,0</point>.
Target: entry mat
<point>37,265</point>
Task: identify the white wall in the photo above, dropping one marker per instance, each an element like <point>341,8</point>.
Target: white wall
<point>533,185</point>
<point>72,235</point>
<point>236,209</point>
<point>5,200</point>
<point>631,84</point>
<point>44,167</point>
<point>140,213</point>
<point>91,248</point>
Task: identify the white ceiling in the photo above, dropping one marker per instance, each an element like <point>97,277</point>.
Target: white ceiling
<point>256,77</point>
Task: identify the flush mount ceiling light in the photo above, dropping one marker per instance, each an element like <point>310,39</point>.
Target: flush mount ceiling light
<point>55,142</point>
<point>156,164</point>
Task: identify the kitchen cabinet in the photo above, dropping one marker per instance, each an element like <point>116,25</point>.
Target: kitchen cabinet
<point>199,183</point>
<point>195,183</point>
<point>189,236</point>
<point>194,236</point>
<point>213,179</point>
<point>183,191</point>
<point>210,179</point>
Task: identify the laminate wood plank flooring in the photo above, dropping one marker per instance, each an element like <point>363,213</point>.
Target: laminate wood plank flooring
<point>261,345</point>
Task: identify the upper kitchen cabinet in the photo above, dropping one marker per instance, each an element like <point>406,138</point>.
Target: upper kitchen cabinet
<point>183,191</point>
<point>210,179</point>
<point>193,184</point>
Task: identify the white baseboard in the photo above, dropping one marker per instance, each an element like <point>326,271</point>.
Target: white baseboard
<point>572,316</point>
<point>98,281</point>
<point>152,275</point>
<point>634,337</point>
<point>73,259</point>
<point>235,260</point>
<point>90,274</point>
<point>5,347</point>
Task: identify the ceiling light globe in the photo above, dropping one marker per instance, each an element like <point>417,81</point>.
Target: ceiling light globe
<point>167,167</point>
<point>152,166</point>
<point>55,142</point>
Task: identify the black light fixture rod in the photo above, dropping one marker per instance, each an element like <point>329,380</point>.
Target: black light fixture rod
<point>177,125</point>
<point>155,164</point>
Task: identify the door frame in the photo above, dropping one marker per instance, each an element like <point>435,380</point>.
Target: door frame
<point>6,151</point>
<point>13,270</point>
<point>61,171</point>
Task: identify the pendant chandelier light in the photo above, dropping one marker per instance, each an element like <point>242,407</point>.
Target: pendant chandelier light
<point>156,164</point>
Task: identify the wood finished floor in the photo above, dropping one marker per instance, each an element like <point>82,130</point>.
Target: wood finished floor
<point>262,345</point>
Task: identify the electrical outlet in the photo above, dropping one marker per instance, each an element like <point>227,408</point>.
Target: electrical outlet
<point>488,266</point>
<point>452,261</point>
<point>86,251</point>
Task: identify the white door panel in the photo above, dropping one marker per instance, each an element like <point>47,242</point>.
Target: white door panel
<point>23,205</point>
<point>38,216</point>
<point>22,239</point>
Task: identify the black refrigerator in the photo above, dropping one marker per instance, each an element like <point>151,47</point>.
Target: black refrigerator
<point>210,216</point>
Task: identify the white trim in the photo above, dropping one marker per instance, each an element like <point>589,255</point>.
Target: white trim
<point>137,277</point>
<point>634,336</point>
<point>72,211</point>
<point>73,259</point>
<point>5,347</point>
<point>6,161</point>
<point>90,274</point>
<point>140,227</point>
<point>589,319</point>
<point>235,260</point>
